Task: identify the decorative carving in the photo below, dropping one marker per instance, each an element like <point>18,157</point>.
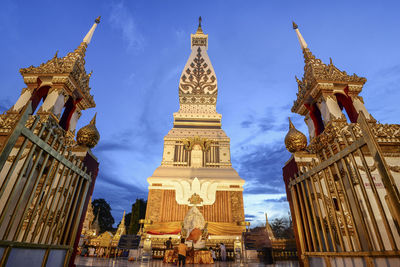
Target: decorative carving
<point>184,190</point>
<point>198,83</point>
<point>72,66</point>
<point>30,79</point>
<point>203,142</point>
<point>153,205</point>
<point>316,72</point>
<point>12,158</point>
<point>199,41</point>
<point>7,122</point>
<point>195,199</point>
<point>384,133</point>
<point>237,206</point>
<point>394,168</point>
<point>371,168</point>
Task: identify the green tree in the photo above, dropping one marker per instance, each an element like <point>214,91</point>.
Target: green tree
<point>283,227</point>
<point>102,209</point>
<point>127,220</point>
<point>278,227</point>
<point>138,212</point>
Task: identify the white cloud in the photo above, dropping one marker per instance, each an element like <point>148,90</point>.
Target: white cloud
<point>122,19</point>
<point>257,205</point>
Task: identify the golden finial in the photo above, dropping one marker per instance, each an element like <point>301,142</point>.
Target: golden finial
<point>295,140</point>
<point>88,135</point>
<point>291,126</point>
<point>56,54</point>
<point>90,75</point>
<point>303,43</point>
<point>199,29</point>
<point>97,20</point>
<point>93,121</point>
<point>330,61</point>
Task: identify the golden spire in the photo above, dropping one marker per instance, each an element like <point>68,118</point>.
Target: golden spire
<point>123,219</point>
<point>93,121</point>
<point>88,135</point>
<point>89,35</point>
<point>268,228</point>
<point>291,126</point>
<point>199,29</point>
<point>295,140</point>
<point>303,43</point>
<point>121,229</point>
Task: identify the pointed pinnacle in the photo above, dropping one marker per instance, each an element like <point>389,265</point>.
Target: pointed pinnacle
<point>295,26</point>
<point>93,121</point>
<point>97,20</point>
<point>199,29</point>
<point>291,126</point>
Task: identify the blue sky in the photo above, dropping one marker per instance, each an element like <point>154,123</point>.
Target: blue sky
<point>140,48</point>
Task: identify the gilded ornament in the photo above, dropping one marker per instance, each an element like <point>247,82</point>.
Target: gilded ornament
<point>198,83</point>
<point>371,168</point>
<point>191,141</point>
<point>72,66</point>
<point>88,135</point>
<point>195,199</point>
<point>394,168</point>
<point>295,140</point>
<point>237,206</point>
<point>316,74</point>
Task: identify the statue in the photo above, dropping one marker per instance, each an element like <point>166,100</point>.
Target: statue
<point>194,228</point>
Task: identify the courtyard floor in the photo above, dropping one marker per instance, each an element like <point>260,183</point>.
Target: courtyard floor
<point>88,261</point>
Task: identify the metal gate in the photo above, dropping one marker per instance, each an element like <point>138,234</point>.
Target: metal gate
<point>346,203</point>
<point>42,192</point>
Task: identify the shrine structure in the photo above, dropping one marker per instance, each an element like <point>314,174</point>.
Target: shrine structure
<point>342,187</point>
<point>196,167</point>
<point>47,170</point>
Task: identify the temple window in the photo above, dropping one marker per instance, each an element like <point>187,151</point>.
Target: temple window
<point>316,117</point>
<point>39,95</point>
<point>344,101</point>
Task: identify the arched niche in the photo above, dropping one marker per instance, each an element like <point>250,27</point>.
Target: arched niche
<point>38,95</point>
<point>197,156</point>
<point>344,101</point>
<point>69,109</point>
<point>316,117</point>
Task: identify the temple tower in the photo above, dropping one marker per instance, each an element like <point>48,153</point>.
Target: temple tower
<point>196,168</point>
<point>342,187</point>
<point>121,229</point>
<point>326,94</point>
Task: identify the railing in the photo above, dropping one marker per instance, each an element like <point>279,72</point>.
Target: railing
<point>284,249</point>
<point>346,203</point>
<point>42,192</point>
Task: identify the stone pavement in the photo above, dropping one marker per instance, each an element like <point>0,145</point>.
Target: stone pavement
<point>89,261</point>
